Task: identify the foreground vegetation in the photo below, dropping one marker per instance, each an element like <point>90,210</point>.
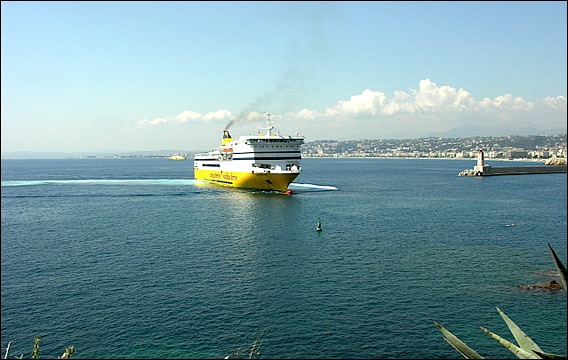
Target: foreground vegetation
<point>526,347</point>
<point>35,352</point>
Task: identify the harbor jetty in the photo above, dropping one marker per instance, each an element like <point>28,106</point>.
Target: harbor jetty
<point>555,165</point>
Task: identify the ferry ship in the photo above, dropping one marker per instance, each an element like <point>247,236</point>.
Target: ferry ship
<point>177,157</point>
<point>266,161</point>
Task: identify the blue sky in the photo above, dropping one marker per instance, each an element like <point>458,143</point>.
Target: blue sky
<point>145,76</point>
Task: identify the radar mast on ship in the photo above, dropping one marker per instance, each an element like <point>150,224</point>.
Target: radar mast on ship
<point>269,124</point>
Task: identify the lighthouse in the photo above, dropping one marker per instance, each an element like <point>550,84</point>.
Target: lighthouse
<point>480,159</point>
<point>481,169</point>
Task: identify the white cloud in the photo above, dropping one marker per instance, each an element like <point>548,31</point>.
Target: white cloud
<point>429,109</point>
<point>187,116</point>
<point>506,102</point>
<point>432,108</point>
<point>218,115</point>
<point>558,102</point>
<point>368,102</point>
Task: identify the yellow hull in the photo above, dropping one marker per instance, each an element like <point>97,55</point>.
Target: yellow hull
<point>246,180</point>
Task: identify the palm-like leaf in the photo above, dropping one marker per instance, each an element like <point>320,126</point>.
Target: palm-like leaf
<point>527,348</point>
<point>519,352</point>
<point>549,355</point>
<point>524,341</point>
<point>457,344</point>
<point>560,267</point>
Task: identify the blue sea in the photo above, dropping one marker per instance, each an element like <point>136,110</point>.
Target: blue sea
<point>133,258</point>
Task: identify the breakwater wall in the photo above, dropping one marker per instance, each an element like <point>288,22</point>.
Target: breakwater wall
<point>513,170</point>
<point>486,170</point>
<point>518,170</point>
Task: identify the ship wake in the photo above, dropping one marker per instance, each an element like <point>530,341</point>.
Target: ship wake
<point>101,182</point>
<point>189,182</point>
<point>311,187</point>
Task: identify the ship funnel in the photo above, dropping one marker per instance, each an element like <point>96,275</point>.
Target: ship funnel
<point>226,137</point>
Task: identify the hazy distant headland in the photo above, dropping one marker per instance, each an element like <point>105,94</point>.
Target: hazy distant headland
<point>23,155</point>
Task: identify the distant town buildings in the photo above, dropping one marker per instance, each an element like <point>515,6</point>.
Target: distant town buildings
<point>505,147</point>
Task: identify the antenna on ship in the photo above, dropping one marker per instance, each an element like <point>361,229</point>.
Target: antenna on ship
<point>269,123</point>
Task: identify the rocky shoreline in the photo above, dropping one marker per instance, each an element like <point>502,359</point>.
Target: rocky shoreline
<point>555,161</point>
